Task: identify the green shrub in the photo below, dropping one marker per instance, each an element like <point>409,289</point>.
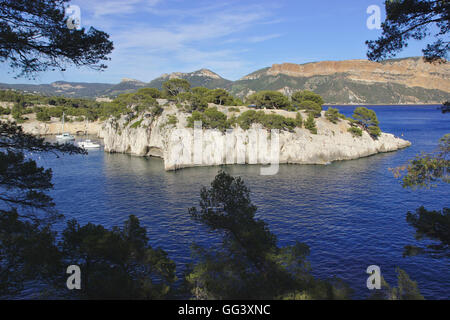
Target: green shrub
<point>355,131</point>
<point>311,107</point>
<point>137,124</point>
<point>152,92</point>
<point>374,131</point>
<point>270,100</point>
<point>172,120</point>
<point>268,121</point>
<point>300,96</point>
<point>42,116</point>
<point>333,115</point>
<point>310,124</point>
<point>299,120</point>
<point>5,111</point>
<point>367,119</point>
<point>211,119</point>
<point>234,109</point>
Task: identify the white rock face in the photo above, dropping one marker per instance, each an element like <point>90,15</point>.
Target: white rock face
<point>177,146</point>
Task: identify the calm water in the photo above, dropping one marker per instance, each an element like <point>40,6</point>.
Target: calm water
<point>351,214</point>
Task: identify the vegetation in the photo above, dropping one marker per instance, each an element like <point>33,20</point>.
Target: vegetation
<point>425,171</point>
<point>310,124</point>
<point>333,115</point>
<point>355,131</point>
<point>311,107</point>
<point>302,96</point>
<point>35,38</point>
<point>211,118</point>
<point>367,120</point>
<point>117,263</point>
<point>174,87</point>
<point>248,263</point>
<point>268,121</point>
<point>428,169</point>
<point>434,225</point>
<point>270,100</point>
<point>136,124</point>
<point>234,109</point>
<point>406,289</point>
<point>27,211</point>
<point>416,19</point>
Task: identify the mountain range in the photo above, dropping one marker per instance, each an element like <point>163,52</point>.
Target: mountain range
<point>395,81</point>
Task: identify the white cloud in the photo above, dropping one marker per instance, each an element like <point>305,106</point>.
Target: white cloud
<point>116,7</point>
<point>263,38</point>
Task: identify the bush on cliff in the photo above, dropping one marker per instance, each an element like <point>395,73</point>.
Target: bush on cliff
<point>355,131</point>
<point>211,118</point>
<point>310,124</point>
<point>367,119</point>
<point>301,96</point>
<point>311,107</point>
<point>270,100</point>
<point>333,115</point>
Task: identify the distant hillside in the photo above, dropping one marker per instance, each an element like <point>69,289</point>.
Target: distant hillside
<point>400,81</point>
<point>396,81</point>
<point>69,89</point>
<point>201,78</point>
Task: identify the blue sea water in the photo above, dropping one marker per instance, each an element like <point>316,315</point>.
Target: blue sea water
<point>351,213</point>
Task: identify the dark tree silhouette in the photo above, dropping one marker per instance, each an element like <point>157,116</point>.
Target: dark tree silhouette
<point>413,19</point>
<point>34,37</point>
<point>27,244</point>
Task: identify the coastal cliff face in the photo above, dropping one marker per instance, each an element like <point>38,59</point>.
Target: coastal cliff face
<point>179,149</point>
<point>408,72</point>
<point>397,81</point>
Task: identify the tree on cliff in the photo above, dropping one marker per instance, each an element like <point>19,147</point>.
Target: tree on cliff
<point>368,120</point>
<point>174,87</point>
<point>270,100</point>
<point>248,264</point>
<point>301,96</point>
<point>35,37</point>
<point>416,19</point>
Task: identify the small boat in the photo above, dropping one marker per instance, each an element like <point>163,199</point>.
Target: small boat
<point>64,136</point>
<point>88,144</point>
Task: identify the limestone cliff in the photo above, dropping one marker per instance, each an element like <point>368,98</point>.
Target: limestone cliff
<point>153,136</point>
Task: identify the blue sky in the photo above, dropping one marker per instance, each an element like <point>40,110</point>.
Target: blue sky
<point>232,38</point>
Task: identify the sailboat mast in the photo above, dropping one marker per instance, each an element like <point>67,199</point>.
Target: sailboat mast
<point>62,124</point>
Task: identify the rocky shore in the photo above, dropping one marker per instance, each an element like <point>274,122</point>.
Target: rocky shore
<point>179,149</point>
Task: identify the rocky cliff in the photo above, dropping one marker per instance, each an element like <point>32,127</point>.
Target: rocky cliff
<point>397,81</point>
<point>182,147</point>
<point>413,72</point>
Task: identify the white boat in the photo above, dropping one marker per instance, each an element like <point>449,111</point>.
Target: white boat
<point>88,144</point>
<point>64,136</point>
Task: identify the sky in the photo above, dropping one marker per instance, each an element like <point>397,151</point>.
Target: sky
<point>230,37</point>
